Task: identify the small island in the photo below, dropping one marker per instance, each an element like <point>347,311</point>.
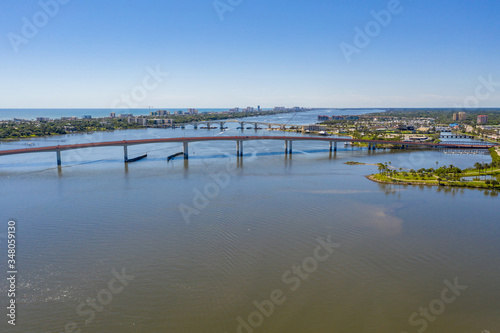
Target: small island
<point>481,175</point>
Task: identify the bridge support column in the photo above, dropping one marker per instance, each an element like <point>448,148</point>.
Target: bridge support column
<point>331,146</point>
<point>125,154</point>
<point>186,150</point>
<point>242,125</point>
<point>256,126</point>
<point>335,146</point>
<point>286,147</point>
<point>209,125</point>
<point>221,126</point>
<point>239,148</point>
<point>195,125</point>
<point>58,153</point>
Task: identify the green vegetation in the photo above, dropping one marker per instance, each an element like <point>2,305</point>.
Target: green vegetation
<point>482,175</point>
<point>494,156</point>
<point>12,130</point>
<point>442,116</point>
<point>30,129</point>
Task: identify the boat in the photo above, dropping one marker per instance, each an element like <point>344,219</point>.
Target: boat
<point>174,156</point>
<point>322,133</point>
<point>136,158</point>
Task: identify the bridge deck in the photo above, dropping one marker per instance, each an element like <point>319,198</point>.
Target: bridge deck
<point>234,138</point>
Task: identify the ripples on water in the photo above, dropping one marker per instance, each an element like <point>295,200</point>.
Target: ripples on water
<point>398,244</point>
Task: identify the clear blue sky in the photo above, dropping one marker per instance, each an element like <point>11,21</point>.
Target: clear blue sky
<point>269,53</point>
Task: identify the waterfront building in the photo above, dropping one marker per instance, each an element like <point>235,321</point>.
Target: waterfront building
<point>138,120</point>
<point>314,127</point>
<point>87,116</point>
<point>112,115</point>
<point>323,118</point>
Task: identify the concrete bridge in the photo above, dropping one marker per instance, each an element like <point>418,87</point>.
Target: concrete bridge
<point>288,140</point>
<point>220,124</point>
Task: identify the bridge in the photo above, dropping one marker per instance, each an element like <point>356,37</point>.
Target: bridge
<point>242,123</point>
<point>288,140</point>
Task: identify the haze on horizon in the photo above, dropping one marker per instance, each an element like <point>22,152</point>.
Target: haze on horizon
<point>219,54</point>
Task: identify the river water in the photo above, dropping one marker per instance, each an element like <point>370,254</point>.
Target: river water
<point>266,243</point>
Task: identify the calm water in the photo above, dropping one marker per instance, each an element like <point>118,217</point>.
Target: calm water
<point>203,271</point>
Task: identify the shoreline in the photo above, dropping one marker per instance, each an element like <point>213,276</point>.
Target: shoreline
<point>418,183</point>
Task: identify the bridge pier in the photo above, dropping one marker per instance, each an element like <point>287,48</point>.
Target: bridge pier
<point>125,154</point>
<point>288,147</point>
<point>209,125</point>
<point>58,153</point>
<point>242,125</point>
<point>222,126</point>
<point>239,148</point>
<point>195,125</point>
<point>256,126</point>
<point>186,150</point>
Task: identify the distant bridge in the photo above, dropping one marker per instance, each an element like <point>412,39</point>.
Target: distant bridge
<point>288,140</point>
<point>221,123</point>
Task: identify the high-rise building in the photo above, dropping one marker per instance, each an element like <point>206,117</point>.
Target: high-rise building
<point>112,115</point>
<point>461,116</point>
<point>482,119</point>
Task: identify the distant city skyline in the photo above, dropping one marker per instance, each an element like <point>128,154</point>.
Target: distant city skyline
<point>201,54</point>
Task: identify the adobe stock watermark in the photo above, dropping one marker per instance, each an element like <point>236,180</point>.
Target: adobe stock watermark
<point>223,6</point>
<point>139,93</point>
<point>372,29</point>
<point>219,180</point>
<point>293,279</point>
<point>425,315</point>
<point>483,91</point>
<point>104,297</point>
<point>31,26</point>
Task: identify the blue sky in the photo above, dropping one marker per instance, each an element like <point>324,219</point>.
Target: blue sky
<point>269,53</point>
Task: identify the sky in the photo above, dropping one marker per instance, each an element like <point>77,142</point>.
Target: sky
<point>238,53</point>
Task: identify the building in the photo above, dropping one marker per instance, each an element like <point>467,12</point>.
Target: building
<point>126,115</point>
<point>323,118</point>
<point>234,110</point>
<point>314,128</point>
<point>482,119</point>
<point>460,116</point>
<point>279,108</point>
<point>163,121</point>
<point>178,113</point>
<point>192,111</point>
<point>112,115</point>
<point>42,119</point>
<point>160,113</point>
<point>87,117</point>
<point>258,108</point>
<point>138,120</point>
